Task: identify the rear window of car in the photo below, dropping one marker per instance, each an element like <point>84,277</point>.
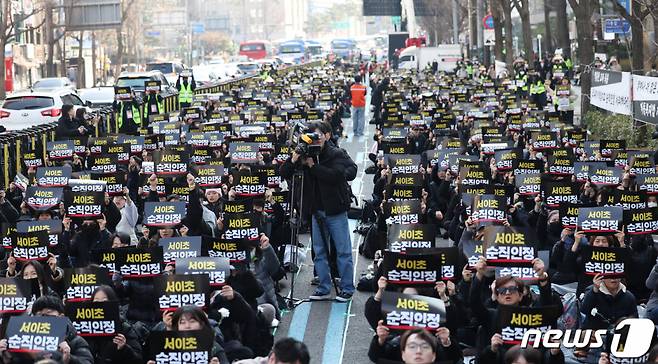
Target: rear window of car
<point>251,47</point>
<point>134,82</point>
<point>248,67</point>
<point>28,103</point>
<point>48,83</point>
<point>162,67</point>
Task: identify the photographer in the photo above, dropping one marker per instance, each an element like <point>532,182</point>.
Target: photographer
<point>328,195</point>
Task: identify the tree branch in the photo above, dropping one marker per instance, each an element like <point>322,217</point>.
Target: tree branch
<point>125,11</point>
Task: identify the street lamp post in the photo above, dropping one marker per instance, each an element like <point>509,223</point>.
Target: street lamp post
<point>539,44</point>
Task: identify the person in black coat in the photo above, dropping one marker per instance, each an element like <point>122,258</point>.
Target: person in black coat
<point>124,347</point>
<point>67,126</point>
<point>328,197</point>
<point>8,213</point>
<point>610,299</point>
<point>378,97</point>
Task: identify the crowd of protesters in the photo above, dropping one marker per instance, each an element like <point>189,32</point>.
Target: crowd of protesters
<point>454,153</point>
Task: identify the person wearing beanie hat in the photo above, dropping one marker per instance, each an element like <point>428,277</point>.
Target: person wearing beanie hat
<point>67,126</point>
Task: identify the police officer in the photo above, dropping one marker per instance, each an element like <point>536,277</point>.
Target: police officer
<point>153,102</point>
<point>185,86</point>
<point>537,90</point>
<point>521,78</point>
<point>128,114</point>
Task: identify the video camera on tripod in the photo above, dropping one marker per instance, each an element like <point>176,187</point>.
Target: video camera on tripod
<point>305,144</point>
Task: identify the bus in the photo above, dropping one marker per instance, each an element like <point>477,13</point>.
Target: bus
<point>255,49</point>
<point>293,52</point>
<point>315,50</point>
<point>344,48</point>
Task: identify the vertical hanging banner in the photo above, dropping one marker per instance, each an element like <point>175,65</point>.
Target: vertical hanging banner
<point>645,99</point>
<point>611,91</point>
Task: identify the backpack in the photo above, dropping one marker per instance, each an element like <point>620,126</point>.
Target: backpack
<point>371,243</point>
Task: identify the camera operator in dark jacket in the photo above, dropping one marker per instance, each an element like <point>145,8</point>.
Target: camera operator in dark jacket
<point>327,197</point>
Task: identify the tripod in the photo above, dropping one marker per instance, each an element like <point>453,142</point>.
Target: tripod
<point>295,221</point>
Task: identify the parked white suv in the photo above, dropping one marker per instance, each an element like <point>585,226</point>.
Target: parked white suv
<point>25,109</point>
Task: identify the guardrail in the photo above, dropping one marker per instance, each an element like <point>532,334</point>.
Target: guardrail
<point>14,144</point>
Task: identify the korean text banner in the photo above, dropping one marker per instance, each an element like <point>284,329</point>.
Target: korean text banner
<point>611,91</point>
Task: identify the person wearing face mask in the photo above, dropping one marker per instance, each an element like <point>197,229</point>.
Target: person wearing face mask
<point>39,277</point>
<point>124,347</point>
<point>92,235</point>
<point>652,201</point>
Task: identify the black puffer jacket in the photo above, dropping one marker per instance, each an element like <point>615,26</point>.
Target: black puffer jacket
<point>105,351</point>
<point>327,180</point>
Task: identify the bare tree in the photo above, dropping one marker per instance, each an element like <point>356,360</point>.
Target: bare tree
<point>562,24</point>
<point>548,35</point>
<point>506,8</point>
<point>498,28</point>
<point>125,13</point>
<point>80,74</point>
<point>583,9</point>
<point>439,23</point>
<point>640,11</point>
<point>523,8</point>
<point>8,31</point>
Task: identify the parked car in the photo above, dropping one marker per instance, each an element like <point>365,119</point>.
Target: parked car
<point>25,109</point>
<point>170,70</point>
<point>136,80</point>
<point>227,71</point>
<point>204,75</point>
<point>249,68</point>
<point>97,97</point>
<point>52,83</point>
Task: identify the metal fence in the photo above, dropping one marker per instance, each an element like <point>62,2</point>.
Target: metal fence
<point>15,144</point>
